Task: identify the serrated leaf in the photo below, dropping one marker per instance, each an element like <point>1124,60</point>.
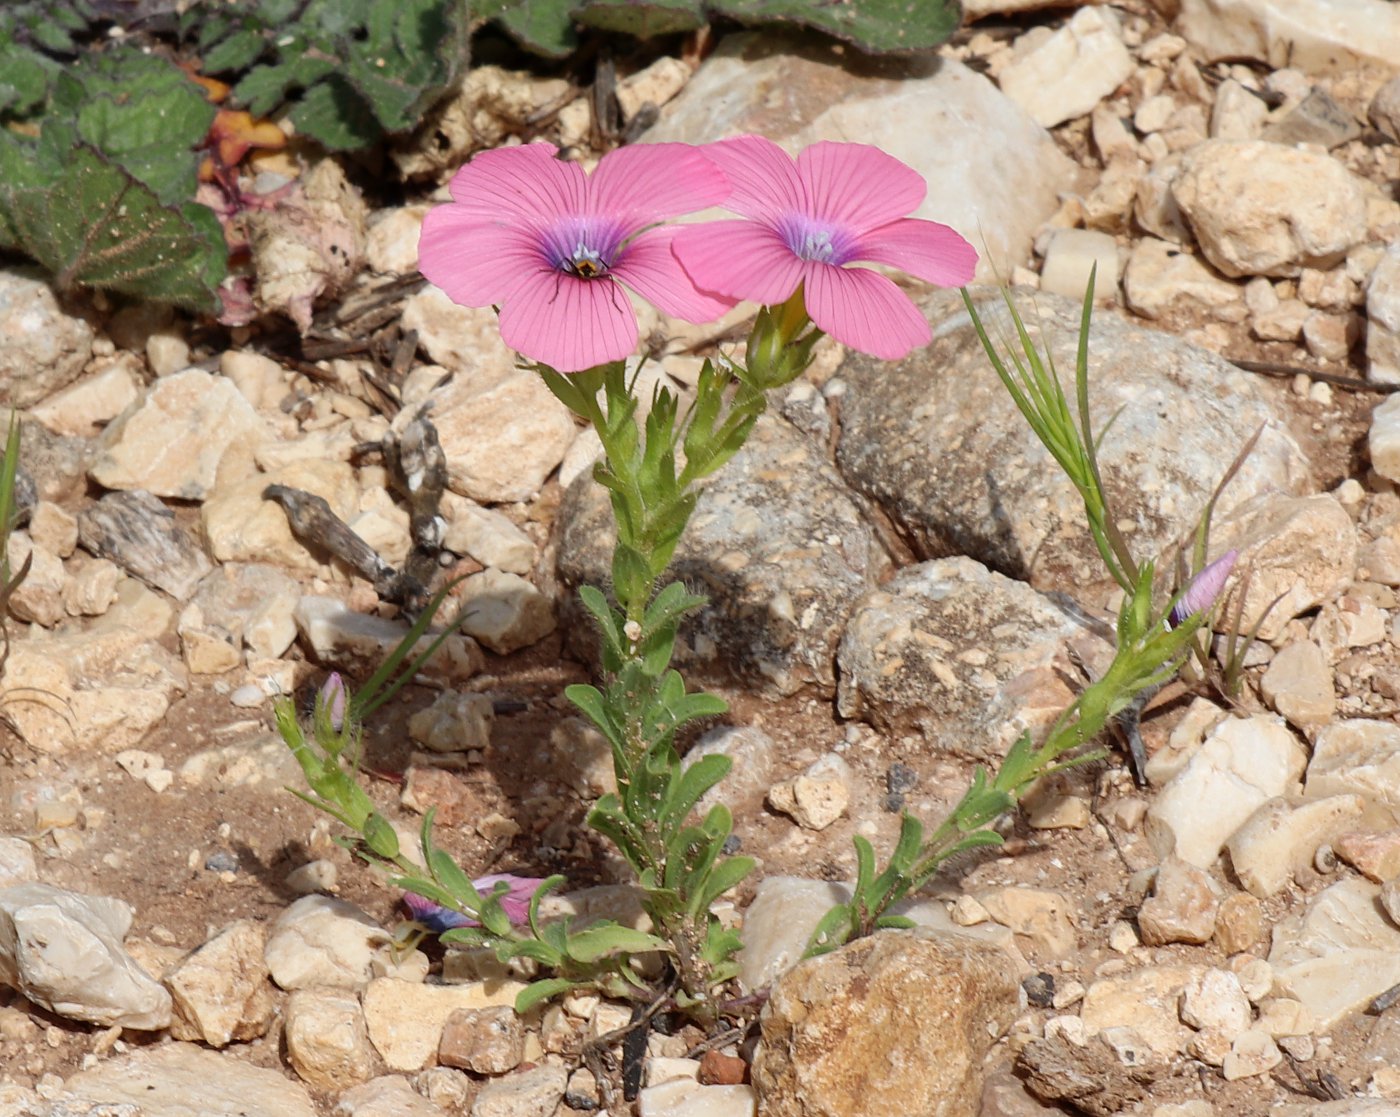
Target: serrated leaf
<point>237,52</point>
<point>265,86</point>
<point>152,136</point>
<point>333,114</point>
<point>642,18</point>
<point>877,26</point>
<point>95,225</point>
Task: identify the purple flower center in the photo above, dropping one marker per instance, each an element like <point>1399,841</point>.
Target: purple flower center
<point>814,240</point>
<point>584,247</point>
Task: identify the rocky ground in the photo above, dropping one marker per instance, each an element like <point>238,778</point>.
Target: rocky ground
<point>900,585</point>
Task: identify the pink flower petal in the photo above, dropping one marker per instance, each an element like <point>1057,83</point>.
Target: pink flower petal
<point>567,323</point>
<point>651,182</point>
<point>763,178</point>
<point>925,249</point>
<point>475,264</point>
<point>650,268</point>
<point>864,310</point>
<point>858,185</point>
<point>517,182</point>
<point>739,260</point>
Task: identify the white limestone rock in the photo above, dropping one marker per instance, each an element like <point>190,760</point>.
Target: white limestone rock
<point>1061,75</point>
<point>1262,208</point>
<point>1244,762</point>
<point>63,951</point>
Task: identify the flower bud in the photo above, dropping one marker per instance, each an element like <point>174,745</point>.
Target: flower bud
<point>1203,589</point>
<point>333,698</point>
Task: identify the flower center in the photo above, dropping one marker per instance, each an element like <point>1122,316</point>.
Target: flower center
<point>585,262</point>
<point>809,240</point>
<point>583,247</point>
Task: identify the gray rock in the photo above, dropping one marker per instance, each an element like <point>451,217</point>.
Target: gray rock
<point>1262,208</point>
<point>752,752</point>
<point>182,1080</point>
<point>64,952</point>
<point>343,638</point>
<point>682,1098</point>
<point>933,113</point>
<point>778,544</point>
<point>141,535</point>
<point>965,656</point>
<point>255,601</point>
<point>1316,119</point>
<point>841,1032</point>
<point>961,473</point>
<point>1324,38</point>
<point>42,348</point>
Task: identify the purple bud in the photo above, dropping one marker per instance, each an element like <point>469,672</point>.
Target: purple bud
<point>1203,589</point>
<point>332,699</point>
<point>438,918</point>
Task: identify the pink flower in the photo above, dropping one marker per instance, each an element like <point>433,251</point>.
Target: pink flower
<point>438,918</point>
<point>836,204</point>
<point>549,245</point>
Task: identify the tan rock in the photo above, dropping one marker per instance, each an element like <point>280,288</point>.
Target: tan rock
<point>164,1081</point>
<point>1260,208</point>
<point>341,637</point>
<point>1146,1000</point>
<point>406,1020</point>
<point>1280,839</point>
<point>1239,924</point>
<point>485,1040</point>
<point>842,1031</point>
<point>1361,757</point>
<point>504,611</point>
<point>54,528</point>
<point>1182,908</point>
<point>1043,916</point>
<point>111,385</point>
<point>241,525</point>
<point>39,598</point>
<point>221,991</point>
<point>1303,548</point>
<point>171,444</point>
<point>327,1043</point>
<point>1374,856</point>
<point>1298,685</point>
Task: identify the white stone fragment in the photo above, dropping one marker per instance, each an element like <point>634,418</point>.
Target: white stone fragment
<point>1243,763</point>
<point>1064,74</point>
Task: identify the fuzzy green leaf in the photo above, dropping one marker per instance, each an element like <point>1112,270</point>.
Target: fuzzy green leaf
<point>25,76</point>
<point>596,942</point>
<point>540,991</point>
<point>543,26</point>
<point>236,53</point>
<point>879,27</point>
<point>333,113</point>
<point>91,223</point>
<point>642,19</point>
